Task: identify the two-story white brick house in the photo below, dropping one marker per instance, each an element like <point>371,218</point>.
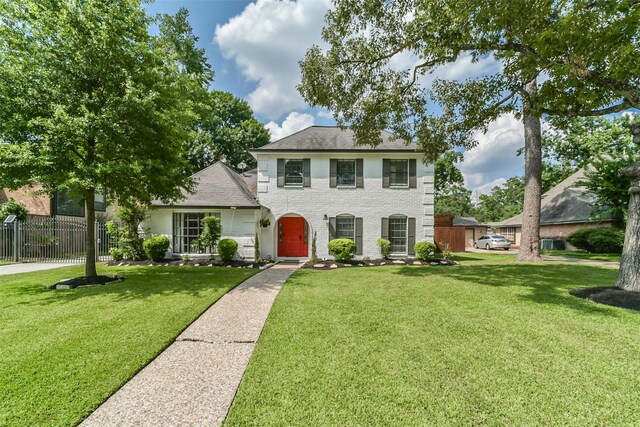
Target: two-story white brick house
<point>314,182</point>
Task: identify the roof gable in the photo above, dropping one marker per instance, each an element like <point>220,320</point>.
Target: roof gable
<point>217,186</point>
<point>332,138</point>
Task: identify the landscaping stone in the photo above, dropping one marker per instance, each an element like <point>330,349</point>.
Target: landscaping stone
<point>318,265</point>
<point>399,262</point>
<point>333,266</point>
<point>417,262</point>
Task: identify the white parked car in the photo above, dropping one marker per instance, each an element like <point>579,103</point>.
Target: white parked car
<point>492,241</point>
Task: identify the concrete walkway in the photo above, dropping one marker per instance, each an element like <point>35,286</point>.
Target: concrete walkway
<point>193,382</point>
<point>28,267</point>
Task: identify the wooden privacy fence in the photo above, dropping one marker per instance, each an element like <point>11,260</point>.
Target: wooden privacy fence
<point>50,239</point>
<point>454,236</point>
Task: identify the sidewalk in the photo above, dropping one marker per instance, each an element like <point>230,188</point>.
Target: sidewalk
<point>193,382</point>
<point>28,267</point>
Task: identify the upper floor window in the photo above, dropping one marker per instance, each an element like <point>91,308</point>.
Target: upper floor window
<point>346,227</point>
<point>398,173</point>
<point>346,173</point>
<point>294,173</point>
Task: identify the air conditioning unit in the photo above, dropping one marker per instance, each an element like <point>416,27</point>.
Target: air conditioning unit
<point>553,244</point>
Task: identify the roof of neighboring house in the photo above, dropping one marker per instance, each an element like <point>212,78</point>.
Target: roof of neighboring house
<point>332,138</point>
<point>217,186</point>
<point>566,203</point>
<point>466,221</point>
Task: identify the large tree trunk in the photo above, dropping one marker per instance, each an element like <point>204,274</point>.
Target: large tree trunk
<point>90,264</point>
<point>530,237</point>
<point>629,275</point>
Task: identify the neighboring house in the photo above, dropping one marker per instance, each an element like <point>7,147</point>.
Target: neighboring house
<point>567,207</point>
<point>472,229</point>
<point>314,182</point>
<point>61,204</point>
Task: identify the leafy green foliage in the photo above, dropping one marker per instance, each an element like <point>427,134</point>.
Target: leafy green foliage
<point>11,207</point>
<point>425,250</point>
<point>503,202</point>
<point>226,129</point>
<point>451,197</point>
<point>384,247</point>
<point>156,247</point>
<point>598,240</point>
<point>90,100</point>
<point>116,254</point>
<point>227,249</point>
<point>211,232</point>
<point>342,249</point>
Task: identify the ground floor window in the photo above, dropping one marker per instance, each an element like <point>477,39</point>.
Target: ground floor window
<point>346,227</point>
<point>509,233</point>
<point>398,234</point>
<point>187,227</point>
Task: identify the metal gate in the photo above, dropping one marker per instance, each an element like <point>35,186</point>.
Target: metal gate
<point>50,239</point>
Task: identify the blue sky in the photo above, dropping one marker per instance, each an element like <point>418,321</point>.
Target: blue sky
<point>254,48</point>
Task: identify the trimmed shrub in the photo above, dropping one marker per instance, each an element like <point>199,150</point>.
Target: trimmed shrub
<point>116,254</point>
<point>342,250</point>
<point>424,250</point>
<point>156,247</point>
<point>211,232</point>
<point>227,249</point>
<point>11,207</point>
<point>598,240</point>
<point>384,246</point>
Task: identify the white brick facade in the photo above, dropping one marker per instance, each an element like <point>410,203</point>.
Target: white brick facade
<point>372,203</point>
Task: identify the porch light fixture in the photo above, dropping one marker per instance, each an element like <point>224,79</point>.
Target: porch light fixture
<point>325,217</point>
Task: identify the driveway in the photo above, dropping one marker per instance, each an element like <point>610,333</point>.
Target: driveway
<point>493,251</point>
<point>28,267</point>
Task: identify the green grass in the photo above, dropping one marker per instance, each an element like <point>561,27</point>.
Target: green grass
<point>583,255</point>
<point>488,343</point>
<point>5,262</point>
<point>64,352</point>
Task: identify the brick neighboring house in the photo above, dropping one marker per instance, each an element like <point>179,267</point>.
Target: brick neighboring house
<point>314,182</point>
<point>61,204</point>
<point>566,208</point>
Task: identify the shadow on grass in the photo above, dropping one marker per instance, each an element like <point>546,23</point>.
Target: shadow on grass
<point>543,284</point>
<point>139,284</point>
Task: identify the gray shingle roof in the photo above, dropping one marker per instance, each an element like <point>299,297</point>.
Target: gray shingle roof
<point>217,186</point>
<point>564,203</point>
<point>332,138</point>
<point>466,221</point>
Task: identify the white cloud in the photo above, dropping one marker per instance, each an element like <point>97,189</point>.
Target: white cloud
<point>486,188</point>
<point>266,41</point>
<point>293,123</point>
<point>324,114</point>
<point>495,156</point>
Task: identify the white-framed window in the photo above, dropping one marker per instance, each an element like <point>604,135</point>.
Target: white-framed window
<point>346,227</point>
<point>187,227</point>
<point>398,234</point>
<point>293,173</point>
<point>509,233</point>
<point>346,173</point>
<point>398,173</point>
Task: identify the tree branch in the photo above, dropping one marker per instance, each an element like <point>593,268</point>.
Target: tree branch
<point>624,105</point>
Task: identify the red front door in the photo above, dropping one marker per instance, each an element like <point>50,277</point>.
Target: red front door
<point>292,237</point>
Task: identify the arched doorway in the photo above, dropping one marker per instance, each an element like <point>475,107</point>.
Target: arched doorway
<point>293,237</point>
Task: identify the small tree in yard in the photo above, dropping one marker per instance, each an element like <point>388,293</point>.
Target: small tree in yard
<point>90,101</point>
<point>211,232</point>
<point>11,207</point>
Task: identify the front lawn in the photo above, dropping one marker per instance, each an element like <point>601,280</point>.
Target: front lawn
<point>491,342</point>
<point>583,255</point>
<point>64,352</point>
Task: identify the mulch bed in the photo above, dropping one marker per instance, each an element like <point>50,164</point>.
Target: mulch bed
<point>190,263</point>
<point>609,295</point>
<point>78,282</point>
<point>331,264</point>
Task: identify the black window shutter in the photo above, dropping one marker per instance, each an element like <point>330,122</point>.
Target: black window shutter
<point>385,173</point>
<point>411,241</point>
<point>306,170</point>
<point>333,173</point>
<point>332,228</point>
<point>385,229</point>
<point>280,172</point>
<point>359,173</point>
<point>358,236</point>
<point>412,173</point>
